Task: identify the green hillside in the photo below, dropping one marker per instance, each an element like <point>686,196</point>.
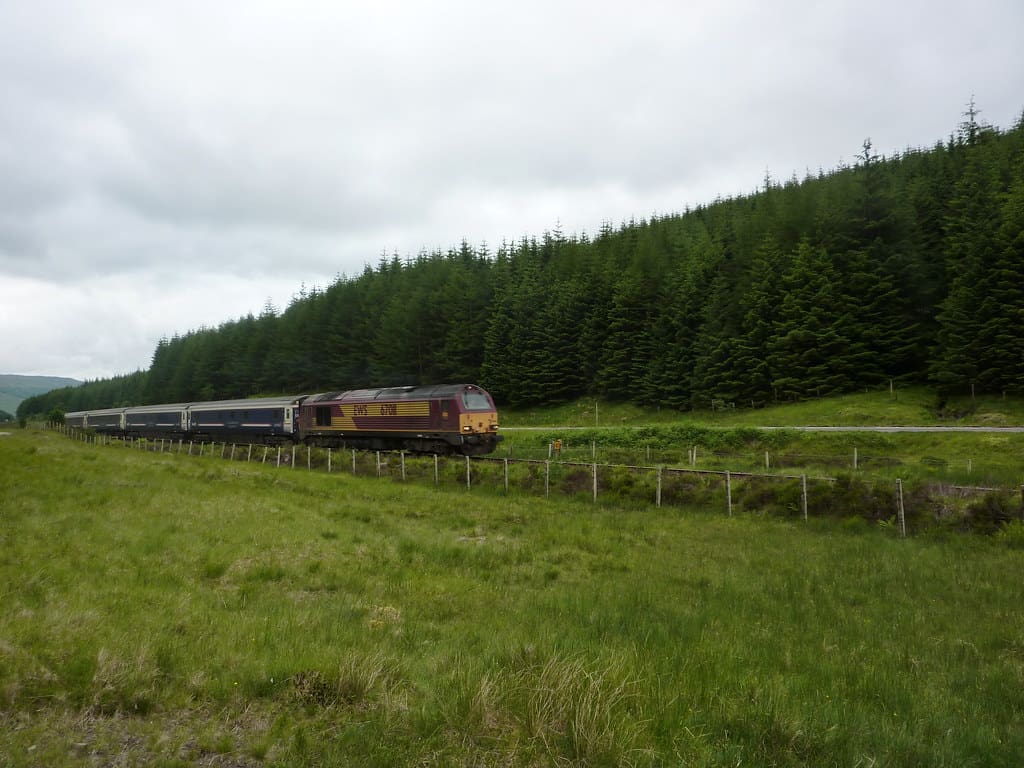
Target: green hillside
<point>14,388</point>
<point>911,406</point>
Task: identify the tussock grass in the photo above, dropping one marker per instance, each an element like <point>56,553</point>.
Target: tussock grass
<point>162,609</point>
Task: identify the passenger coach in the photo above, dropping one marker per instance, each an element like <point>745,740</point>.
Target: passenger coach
<point>263,420</point>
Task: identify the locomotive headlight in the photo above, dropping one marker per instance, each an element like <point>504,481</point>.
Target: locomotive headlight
<point>467,428</point>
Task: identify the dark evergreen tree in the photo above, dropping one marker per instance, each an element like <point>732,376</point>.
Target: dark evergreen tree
<point>761,303</point>
<point>626,349</point>
<point>966,313</point>
<point>807,352</point>
<point>1004,354</point>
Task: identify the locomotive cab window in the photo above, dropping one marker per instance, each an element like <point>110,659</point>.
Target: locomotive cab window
<point>476,401</point>
<point>323,416</point>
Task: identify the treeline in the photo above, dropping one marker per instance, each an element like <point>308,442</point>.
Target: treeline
<point>908,268</point>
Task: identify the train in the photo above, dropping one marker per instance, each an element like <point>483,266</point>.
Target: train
<point>441,419</point>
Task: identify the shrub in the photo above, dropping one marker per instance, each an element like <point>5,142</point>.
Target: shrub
<point>990,513</point>
<point>852,497</point>
<point>771,497</point>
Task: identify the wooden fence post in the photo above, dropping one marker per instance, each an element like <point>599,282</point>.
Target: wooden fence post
<point>657,498</point>
<point>328,461</point>
<point>900,511</point>
<point>468,482</point>
<point>506,475</point>
<point>547,479</point>
<point>803,494</point>
<point>293,455</point>
<point>403,466</point>
<point>353,461</point>
<point>279,457</point>
<point>728,491</point>
<point>378,464</point>
<point>595,482</point>
<point>309,457</point>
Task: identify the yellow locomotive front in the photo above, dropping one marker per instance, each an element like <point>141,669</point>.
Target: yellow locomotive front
<point>478,420</point>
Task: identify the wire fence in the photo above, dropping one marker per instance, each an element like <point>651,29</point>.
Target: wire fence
<point>794,495</point>
<point>854,459</point>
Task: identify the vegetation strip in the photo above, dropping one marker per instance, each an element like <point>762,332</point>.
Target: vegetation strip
<point>931,505</point>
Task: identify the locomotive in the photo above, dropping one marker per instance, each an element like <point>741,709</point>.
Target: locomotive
<point>446,418</point>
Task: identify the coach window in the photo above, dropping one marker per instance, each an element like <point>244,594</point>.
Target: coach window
<point>323,416</point>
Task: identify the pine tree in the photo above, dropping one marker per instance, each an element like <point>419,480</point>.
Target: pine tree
<point>965,330</point>
<point>808,346</point>
<point>674,332</point>
<point>1004,356</point>
<point>715,374</point>
<point>761,304</point>
<point>626,349</point>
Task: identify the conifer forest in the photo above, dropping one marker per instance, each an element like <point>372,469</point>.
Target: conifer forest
<point>906,268</point>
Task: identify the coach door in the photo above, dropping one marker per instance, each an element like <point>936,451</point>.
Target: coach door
<point>289,424</point>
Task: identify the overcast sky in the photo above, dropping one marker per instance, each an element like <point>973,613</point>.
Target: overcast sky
<point>169,165</point>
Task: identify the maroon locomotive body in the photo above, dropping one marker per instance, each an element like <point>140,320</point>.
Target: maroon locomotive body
<point>447,418</point>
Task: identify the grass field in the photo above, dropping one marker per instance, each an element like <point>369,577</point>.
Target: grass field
<point>171,610</point>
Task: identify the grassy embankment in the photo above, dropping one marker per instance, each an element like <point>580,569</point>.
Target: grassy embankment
<point>902,407</point>
<point>174,610</point>
<point>729,439</point>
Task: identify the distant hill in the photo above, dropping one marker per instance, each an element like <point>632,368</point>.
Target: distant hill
<point>14,388</point>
